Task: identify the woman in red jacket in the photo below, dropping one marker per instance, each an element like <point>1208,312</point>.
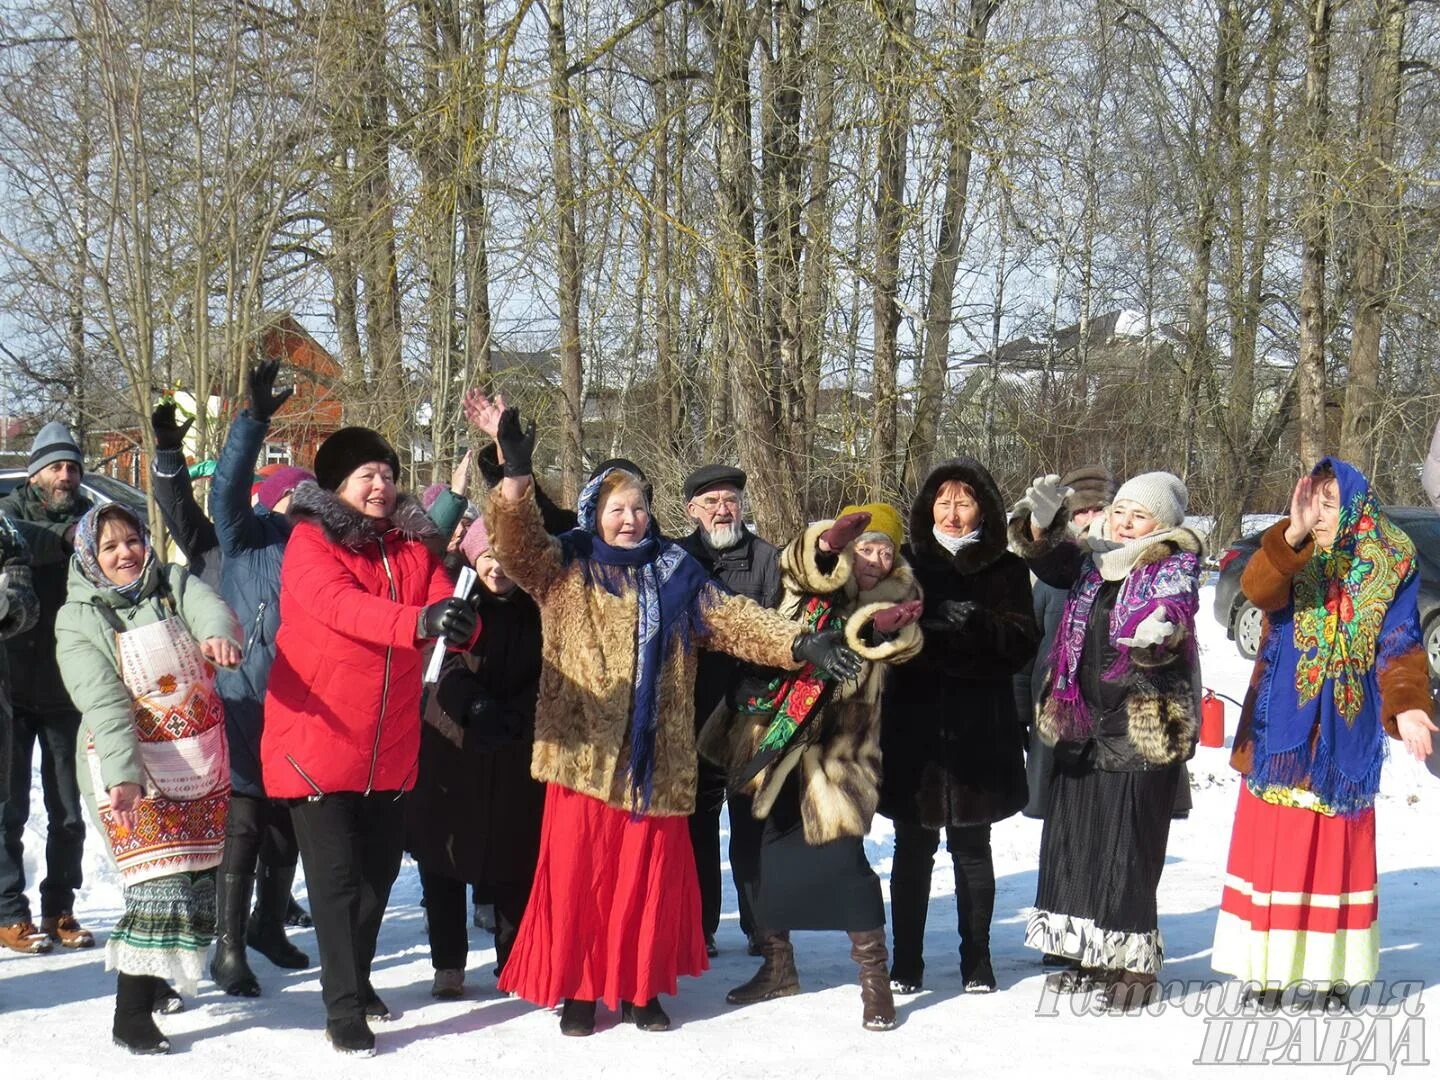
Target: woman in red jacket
<point>360,596</point>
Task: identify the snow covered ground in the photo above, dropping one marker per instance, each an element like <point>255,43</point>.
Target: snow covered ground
<point>55,1010</point>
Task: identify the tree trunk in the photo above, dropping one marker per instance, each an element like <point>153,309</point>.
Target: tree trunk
<point>572,452</point>
<point>1314,233</point>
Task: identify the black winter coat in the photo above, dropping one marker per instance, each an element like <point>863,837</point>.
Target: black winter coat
<point>952,742</point>
<point>474,814</point>
<point>192,531</point>
<point>750,568</point>
<point>21,611</point>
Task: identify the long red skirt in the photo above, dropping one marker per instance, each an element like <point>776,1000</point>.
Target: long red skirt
<point>614,914</point>
<point>1300,900</point>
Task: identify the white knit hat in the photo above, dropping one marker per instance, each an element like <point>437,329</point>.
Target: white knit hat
<point>1162,493</point>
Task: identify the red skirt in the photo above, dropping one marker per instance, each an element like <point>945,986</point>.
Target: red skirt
<point>1300,901</point>
<point>614,914</point>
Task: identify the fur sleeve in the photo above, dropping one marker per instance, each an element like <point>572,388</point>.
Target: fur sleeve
<point>739,626</point>
<point>1268,574</point>
<point>528,554</point>
<point>1402,667</point>
<point>800,569</point>
<point>902,647</point>
<point>1055,559</point>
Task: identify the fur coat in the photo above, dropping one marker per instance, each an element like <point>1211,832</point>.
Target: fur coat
<point>839,773</point>
<point>587,674</point>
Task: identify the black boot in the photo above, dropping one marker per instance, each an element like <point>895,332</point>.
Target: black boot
<point>134,1026</point>
<point>351,1035</point>
<point>647,1017</point>
<point>267,923</point>
<point>577,1017</point>
<point>229,968</point>
<point>167,1001</point>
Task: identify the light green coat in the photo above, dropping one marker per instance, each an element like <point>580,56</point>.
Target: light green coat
<point>85,648</point>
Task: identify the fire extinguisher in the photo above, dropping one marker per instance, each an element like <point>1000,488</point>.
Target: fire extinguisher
<point>1212,718</point>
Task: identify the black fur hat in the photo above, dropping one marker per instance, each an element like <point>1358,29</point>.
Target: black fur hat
<point>348,449</point>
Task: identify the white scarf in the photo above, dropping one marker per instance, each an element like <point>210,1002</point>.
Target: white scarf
<point>953,544</point>
<point>1116,558</point>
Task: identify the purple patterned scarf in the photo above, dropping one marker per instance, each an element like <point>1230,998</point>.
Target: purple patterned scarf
<point>1172,584</point>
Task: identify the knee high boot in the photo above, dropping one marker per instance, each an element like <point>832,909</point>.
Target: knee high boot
<point>867,948</point>
<point>228,967</point>
<point>267,924</point>
<point>777,976</point>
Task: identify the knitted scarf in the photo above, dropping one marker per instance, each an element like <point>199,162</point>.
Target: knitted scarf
<point>87,542</point>
<point>668,586</point>
<point>1172,584</point>
<point>1352,609</point>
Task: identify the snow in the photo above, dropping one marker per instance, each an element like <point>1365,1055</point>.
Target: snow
<point>55,1010</point>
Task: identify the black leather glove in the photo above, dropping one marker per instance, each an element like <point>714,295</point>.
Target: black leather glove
<point>828,652</point>
<point>958,612</point>
<point>516,444</point>
<point>452,619</point>
<point>264,401</point>
<point>168,434</point>
<point>487,460</point>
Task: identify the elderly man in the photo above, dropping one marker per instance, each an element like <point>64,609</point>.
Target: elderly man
<point>52,503</point>
<point>749,566</point>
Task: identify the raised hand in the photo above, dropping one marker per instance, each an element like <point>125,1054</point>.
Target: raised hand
<point>265,402</point>
<point>483,411</point>
<point>839,535</point>
<point>1304,511</point>
<point>1044,497</point>
<point>460,478</point>
<point>517,445</point>
<point>168,434</point>
<point>898,616</point>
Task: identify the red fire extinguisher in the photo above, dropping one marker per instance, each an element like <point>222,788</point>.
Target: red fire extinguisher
<point>1212,720</point>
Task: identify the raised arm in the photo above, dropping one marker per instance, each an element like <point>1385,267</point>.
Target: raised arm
<point>174,492</point>
<point>236,522</point>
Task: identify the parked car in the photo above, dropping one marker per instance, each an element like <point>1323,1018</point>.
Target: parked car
<point>1243,620</point>
<point>98,487</point>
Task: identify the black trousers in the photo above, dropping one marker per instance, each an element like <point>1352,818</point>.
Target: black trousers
<point>258,830</point>
<point>915,848</point>
<point>705,840</point>
<point>746,834</point>
<point>351,846</point>
<point>56,732</point>
<point>447,916</point>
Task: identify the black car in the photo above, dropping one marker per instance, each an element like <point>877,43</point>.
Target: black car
<point>97,487</point>
<point>1243,619</point>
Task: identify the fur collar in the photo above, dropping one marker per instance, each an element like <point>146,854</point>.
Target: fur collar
<point>991,544</point>
<point>346,526</point>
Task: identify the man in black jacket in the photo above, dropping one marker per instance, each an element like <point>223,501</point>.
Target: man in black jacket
<point>747,566</point>
<point>52,502</point>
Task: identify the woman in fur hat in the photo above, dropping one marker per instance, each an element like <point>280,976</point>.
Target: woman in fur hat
<point>1120,707</point>
<point>953,745</point>
<point>806,747</point>
<point>1341,666</point>
<point>361,595</point>
<point>614,912</point>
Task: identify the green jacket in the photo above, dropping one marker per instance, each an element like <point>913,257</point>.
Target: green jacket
<point>85,648</point>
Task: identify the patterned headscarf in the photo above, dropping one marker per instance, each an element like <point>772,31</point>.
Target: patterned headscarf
<point>1353,608</point>
<point>87,542</point>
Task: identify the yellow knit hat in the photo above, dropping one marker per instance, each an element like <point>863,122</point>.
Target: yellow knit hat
<point>884,519</point>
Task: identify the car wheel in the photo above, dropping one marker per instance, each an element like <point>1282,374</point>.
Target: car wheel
<point>1249,621</point>
<point>1432,647</point>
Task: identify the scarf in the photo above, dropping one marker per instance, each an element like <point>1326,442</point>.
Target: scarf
<point>1171,585</point>
<point>667,584</point>
<point>1115,558</point>
<point>87,540</point>
<point>1352,609</point>
<point>953,544</point>
<point>791,699</point>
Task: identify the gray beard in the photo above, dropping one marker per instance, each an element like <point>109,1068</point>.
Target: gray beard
<point>724,537</point>
<point>60,502</point>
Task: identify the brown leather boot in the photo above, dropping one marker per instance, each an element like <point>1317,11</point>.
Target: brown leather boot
<point>66,930</point>
<point>777,976</point>
<point>25,937</point>
<point>867,948</point>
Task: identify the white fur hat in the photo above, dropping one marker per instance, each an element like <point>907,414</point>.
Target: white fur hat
<point>1162,493</point>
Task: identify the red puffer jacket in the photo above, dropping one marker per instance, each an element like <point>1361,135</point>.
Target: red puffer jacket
<point>342,712</point>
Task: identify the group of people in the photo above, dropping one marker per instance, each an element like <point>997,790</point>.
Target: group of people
<point>602,690</point>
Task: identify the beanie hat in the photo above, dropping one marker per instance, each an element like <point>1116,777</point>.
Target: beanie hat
<point>1162,493</point>
<point>430,494</point>
<point>54,443</point>
<point>476,541</point>
<point>885,522</point>
<point>280,483</point>
<point>1091,487</point>
<point>346,450</point>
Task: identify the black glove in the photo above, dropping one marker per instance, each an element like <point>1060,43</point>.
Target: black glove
<point>487,460</point>
<point>264,401</point>
<point>958,612</point>
<point>828,652</point>
<point>168,434</point>
<point>516,444</point>
<point>452,619</point>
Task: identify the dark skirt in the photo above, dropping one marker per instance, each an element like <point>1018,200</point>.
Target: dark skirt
<point>1101,855</point>
<point>800,887</point>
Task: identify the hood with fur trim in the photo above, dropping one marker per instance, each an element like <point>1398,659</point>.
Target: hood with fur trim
<point>991,545</point>
<point>351,529</point>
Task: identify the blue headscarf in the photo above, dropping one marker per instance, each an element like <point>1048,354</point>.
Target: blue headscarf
<point>87,543</point>
<point>667,583</point>
<point>1353,610</point>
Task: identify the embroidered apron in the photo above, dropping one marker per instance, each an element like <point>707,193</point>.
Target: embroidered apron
<point>180,723</point>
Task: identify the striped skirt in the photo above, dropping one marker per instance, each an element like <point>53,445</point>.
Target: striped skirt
<point>1300,901</point>
<point>166,929</point>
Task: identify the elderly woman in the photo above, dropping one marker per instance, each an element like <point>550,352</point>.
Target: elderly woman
<point>614,912</point>
<point>136,640</point>
<point>806,748</point>
<point>1120,705</point>
<point>361,596</point>
<point>1341,666</point>
<point>952,742</point>
<point>474,816</point>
